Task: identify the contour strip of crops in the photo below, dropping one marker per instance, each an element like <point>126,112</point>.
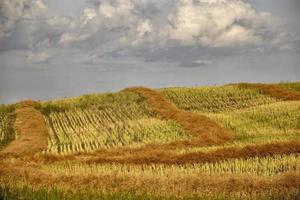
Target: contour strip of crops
<point>275,91</point>
<point>216,98</point>
<point>267,166</point>
<point>7,119</point>
<point>149,157</point>
<point>177,184</point>
<point>281,118</point>
<point>107,122</point>
<point>204,130</point>
<point>292,86</point>
<point>30,128</point>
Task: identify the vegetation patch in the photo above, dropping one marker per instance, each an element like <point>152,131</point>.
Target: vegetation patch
<point>7,119</point>
<point>220,142</point>
<point>215,99</point>
<point>106,121</point>
<point>31,131</point>
<point>203,129</point>
<point>275,91</point>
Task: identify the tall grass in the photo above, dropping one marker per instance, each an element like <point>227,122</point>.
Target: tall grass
<point>53,193</point>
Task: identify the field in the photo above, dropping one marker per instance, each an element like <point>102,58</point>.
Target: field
<point>237,141</point>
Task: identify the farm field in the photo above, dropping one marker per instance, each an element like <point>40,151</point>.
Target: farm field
<point>237,141</point>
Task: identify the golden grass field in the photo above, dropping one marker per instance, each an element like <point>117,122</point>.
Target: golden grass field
<point>237,141</point>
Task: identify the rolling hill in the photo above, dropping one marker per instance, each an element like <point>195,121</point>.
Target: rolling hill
<point>237,141</point>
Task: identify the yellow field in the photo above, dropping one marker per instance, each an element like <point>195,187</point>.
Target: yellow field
<point>115,146</point>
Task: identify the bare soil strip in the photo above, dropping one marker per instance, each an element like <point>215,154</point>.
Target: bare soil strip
<point>31,130</point>
<point>203,129</point>
<point>274,91</point>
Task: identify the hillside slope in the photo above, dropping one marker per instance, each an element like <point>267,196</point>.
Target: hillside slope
<point>238,141</point>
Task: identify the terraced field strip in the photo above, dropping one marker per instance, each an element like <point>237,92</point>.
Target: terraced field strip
<point>31,131</point>
<point>275,91</point>
<point>203,129</point>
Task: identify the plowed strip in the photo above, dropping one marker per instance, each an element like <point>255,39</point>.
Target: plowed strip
<point>30,127</point>
<point>275,91</point>
<point>203,129</point>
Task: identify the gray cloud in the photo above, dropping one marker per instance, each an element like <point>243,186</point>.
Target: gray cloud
<point>185,31</point>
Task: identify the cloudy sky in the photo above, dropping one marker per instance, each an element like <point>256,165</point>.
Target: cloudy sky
<point>60,48</point>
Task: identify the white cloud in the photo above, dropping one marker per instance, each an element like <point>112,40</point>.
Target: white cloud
<point>115,28</point>
<point>143,30</point>
<point>218,23</point>
<point>121,8</point>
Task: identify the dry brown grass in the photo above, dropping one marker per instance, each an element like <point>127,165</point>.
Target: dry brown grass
<point>204,130</point>
<point>30,128</point>
<point>168,157</point>
<point>275,91</point>
<point>175,185</point>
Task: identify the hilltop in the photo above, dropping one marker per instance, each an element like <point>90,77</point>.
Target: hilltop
<point>237,141</point>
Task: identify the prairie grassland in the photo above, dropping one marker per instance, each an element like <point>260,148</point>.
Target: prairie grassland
<point>215,99</point>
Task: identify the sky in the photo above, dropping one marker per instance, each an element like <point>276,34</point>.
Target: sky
<point>61,48</point>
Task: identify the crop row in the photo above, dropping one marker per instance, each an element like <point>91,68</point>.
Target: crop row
<point>266,166</point>
<point>281,118</point>
<point>6,125</point>
<point>292,86</point>
<point>215,99</point>
<point>88,130</point>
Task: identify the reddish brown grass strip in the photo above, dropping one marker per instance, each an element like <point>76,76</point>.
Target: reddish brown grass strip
<point>169,158</point>
<point>274,91</point>
<point>203,129</point>
<point>31,130</point>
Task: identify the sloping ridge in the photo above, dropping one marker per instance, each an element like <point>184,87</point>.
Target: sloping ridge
<point>203,130</point>
<point>31,130</point>
<point>274,91</point>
